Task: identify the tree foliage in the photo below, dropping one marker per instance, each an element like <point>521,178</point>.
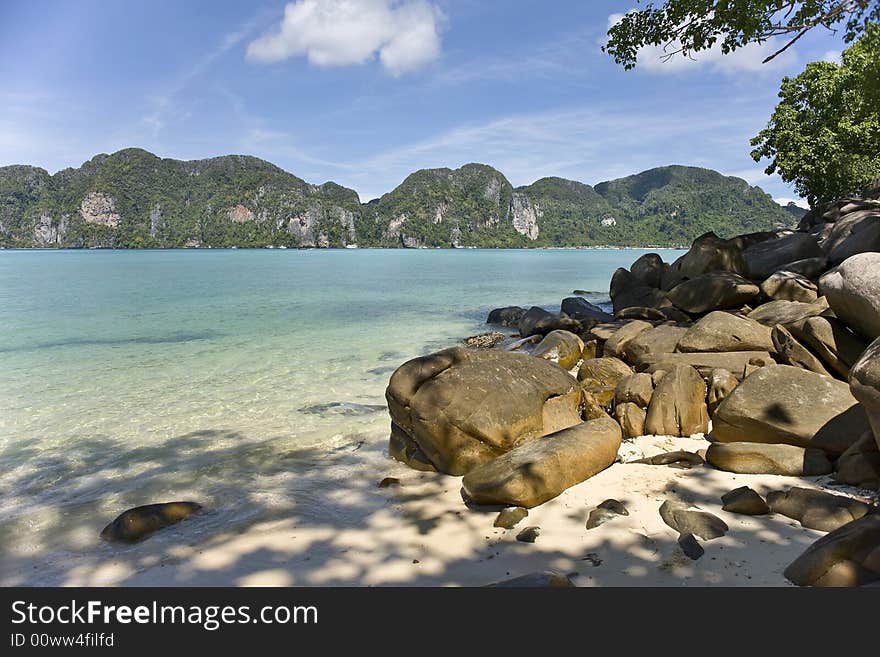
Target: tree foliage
<point>683,27</point>
<point>824,135</point>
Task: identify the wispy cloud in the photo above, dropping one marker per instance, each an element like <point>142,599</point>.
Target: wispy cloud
<point>404,35</point>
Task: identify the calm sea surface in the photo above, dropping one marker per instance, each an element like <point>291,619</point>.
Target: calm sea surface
<point>130,377</point>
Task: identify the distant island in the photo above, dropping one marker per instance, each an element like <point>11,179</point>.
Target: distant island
<point>134,199</point>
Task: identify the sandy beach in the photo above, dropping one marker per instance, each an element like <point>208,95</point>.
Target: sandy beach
<point>420,533</point>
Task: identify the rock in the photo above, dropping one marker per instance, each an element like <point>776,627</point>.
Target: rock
<point>626,291</point>
<point>704,362</point>
<point>811,268</point>
<point>545,579</point>
<point>581,309</point>
<point>690,546</point>
<point>510,517</point>
<point>590,350</point>
<point>678,405</point>
<point>848,556</point>
<point>605,512</point>
<point>791,352</point>
<point>676,315</point>
<point>714,291</point>
<point>720,383</point>
<point>603,371</point>
<point>539,321</point>
<point>789,286</point>
<point>762,458</point>
<point>669,458</point>
<point>507,316</point>
<point>864,381</point>
<point>603,331</point>
<point>853,292</point>
<point>767,257</point>
<point>561,347</point>
<point>721,331</point>
<point>637,312</point>
<point>746,501</point>
<point>388,482</point>
<point>685,520</point>
<point>597,397</point>
<point>860,464</point>
<point>539,470</point>
<point>659,340</point>
<point>529,535</point>
<point>648,269</point>
<point>783,404</point>
<point>617,341</point>
<point>138,523</point>
<point>406,450</point>
<point>462,408</point>
<point>484,340</point>
<point>635,388</point>
<point>787,312</point>
<point>856,232</point>
<point>836,346</point>
<point>631,419</point>
<point>708,253</point>
<point>816,509</point>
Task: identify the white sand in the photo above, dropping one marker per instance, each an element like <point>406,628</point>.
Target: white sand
<point>421,534</point>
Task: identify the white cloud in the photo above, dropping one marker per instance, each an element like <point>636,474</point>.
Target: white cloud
<point>833,56</point>
<point>785,200</point>
<point>404,34</point>
<point>748,59</point>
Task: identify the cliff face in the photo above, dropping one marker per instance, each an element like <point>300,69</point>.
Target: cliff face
<point>134,199</point>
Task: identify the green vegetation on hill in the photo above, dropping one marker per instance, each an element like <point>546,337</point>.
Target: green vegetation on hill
<point>133,199</point>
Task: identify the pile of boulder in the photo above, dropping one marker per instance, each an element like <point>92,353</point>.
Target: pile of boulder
<point>767,343</point>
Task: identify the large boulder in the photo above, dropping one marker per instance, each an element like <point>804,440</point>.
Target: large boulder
<point>537,321</point>
<point>539,470</point>
<point>789,286</point>
<point>828,338</point>
<point>562,347</point>
<point>138,523</point>
<point>791,352</point>
<point>708,253</point>
<point>816,509</point>
<point>864,381</point>
<point>581,309</point>
<point>848,556</point>
<point>607,371</point>
<point>764,258</point>
<point>860,464</point>
<point>635,388</point>
<point>784,404</point>
<point>713,291</point>
<point>463,408</point>
<point>678,405</point>
<point>736,362</point>
<point>616,343</point>
<point>787,312</point>
<point>720,383</point>
<point>507,316</point>
<point>660,340</point>
<point>855,232</point>
<point>648,269</point>
<point>853,292</point>
<point>811,268</point>
<point>721,331</point>
<point>759,458</point>
<point>627,291</point>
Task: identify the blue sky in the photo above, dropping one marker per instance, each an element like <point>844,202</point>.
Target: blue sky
<point>364,92</point>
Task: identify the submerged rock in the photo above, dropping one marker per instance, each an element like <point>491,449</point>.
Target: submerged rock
<point>138,523</point>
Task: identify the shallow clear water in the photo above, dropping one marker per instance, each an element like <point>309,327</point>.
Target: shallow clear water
<point>130,377</point>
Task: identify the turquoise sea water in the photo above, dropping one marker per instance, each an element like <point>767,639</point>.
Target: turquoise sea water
<point>129,377</point>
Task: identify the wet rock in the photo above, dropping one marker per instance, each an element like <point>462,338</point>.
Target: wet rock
<point>508,316</point>
<point>789,286</point>
<point>853,292</point>
<point>848,556</point>
<point>635,388</point>
<point>603,371</point>
<point>787,312</point>
<point>462,408</point>
<point>561,347</point>
<point>767,257</point>
<point>784,404</point>
<point>545,579</point>
<point>724,332</point>
<point>745,501</point>
<point>539,470</point>
<point>537,321</point>
<point>631,419</point>
<point>791,352</point>
<point>761,458</point>
<point>678,405</point>
<point>669,458</point>
<point>606,511</point>
<point>714,291</point>
<point>140,522</point>
<point>690,546</point>
<point>510,517</point>
<point>621,337</point>
<point>581,309</point>
<point>816,509</point>
<point>529,535</point>
<point>686,520</point>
